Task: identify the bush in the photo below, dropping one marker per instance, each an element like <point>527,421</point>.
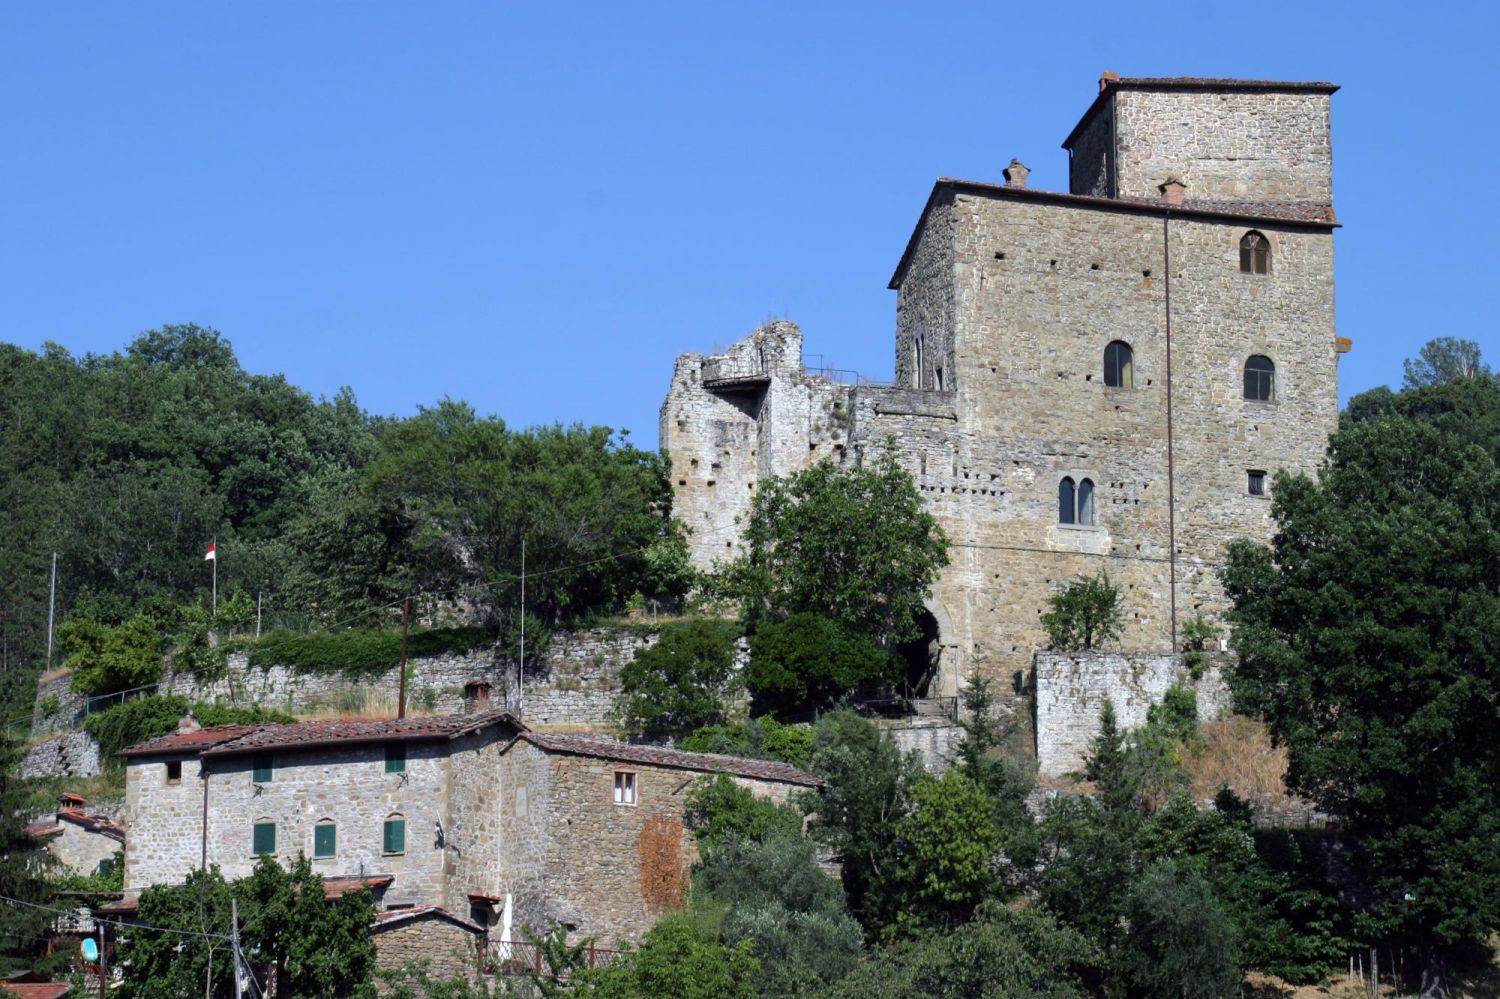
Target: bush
<point>757,739</point>
<point>152,717</point>
<point>357,654</point>
<point>720,810</point>
<point>683,682</point>
<point>1085,615</point>
<point>676,960</point>
<point>1179,942</point>
<point>810,661</point>
<point>109,658</point>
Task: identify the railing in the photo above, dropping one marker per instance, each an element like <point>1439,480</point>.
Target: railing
<point>519,959</point>
<point>842,376</point>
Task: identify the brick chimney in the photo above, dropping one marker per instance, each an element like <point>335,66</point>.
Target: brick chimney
<point>1106,78</point>
<point>1015,174</point>
<point>1171,190</point>
<point>476,696</point>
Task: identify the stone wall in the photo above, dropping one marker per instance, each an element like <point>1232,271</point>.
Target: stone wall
<point>1072,689</point>
<point>74,754</point>
<point>80,849</point>
<point>449,950</point>
<point>935,739</point>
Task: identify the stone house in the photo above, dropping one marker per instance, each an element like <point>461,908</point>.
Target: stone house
<point>473,814</point>
<point>79,841</point>
<point>1106,378</point>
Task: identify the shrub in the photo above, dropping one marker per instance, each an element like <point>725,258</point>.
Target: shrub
<point>109,658</point>
<point>683,682</point>
<point>720,810</point>
<point>152,717</point>
<point>762,738</point>
<point>1085,615</point>
<point>810,661</point>
<point>1179,942</point>
<point>1196,634</point>
<point>357,654</point>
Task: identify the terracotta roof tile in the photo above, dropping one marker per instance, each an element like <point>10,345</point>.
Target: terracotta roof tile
<point>339,887</point>
<point>36,990</point>
<point>229,739</point>
<point>609,749</point>
<point>43,829</point>
<point>93,823</point>
<point>391,917</point>
<point>127,906</point>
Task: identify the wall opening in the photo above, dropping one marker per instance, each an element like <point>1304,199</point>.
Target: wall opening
<point>921,656</point>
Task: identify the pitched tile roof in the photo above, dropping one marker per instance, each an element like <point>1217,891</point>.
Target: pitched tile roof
<point>35,990</point>
<point>337,887</point>
<point>230,739</point>
<point>677,759</point>
<point>43,828</point>
<point>392,917</point>
<point>93,823</point>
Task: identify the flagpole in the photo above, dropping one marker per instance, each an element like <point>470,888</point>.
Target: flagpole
<point>215,544</point>
<point>51,610</point>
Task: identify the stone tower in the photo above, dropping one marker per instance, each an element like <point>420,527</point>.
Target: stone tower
<point>1100,379</point>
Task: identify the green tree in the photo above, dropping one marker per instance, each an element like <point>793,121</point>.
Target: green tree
<point>1368,635</point>
<point>105,658</point>
<point>676,960</point>
<point>1002,952</point>
<point>1085,614</point>
<point>853,544</point>
<point>762,738</point>
<point>719,810</point>
<point>950,852</point>
<point>1441,360</point>
<point>1179,945</point>
<point>683,682</point>
<point>809,661</point>
<point>23,875</point>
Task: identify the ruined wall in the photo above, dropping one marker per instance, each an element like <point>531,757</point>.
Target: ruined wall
<point>1091,156</point>
<point>74,754</point>
<point>925,306</point>
<point>1227,144</point>
<point>1072,688</point>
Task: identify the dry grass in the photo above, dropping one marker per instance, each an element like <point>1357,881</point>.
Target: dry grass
<point>361,702</point>
<point>1237,752</point>
<point>53,674</point>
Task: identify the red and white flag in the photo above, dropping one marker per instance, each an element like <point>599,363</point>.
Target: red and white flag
<point>211,557</point>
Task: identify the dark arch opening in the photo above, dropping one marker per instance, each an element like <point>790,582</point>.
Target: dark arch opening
<point>920,655</point>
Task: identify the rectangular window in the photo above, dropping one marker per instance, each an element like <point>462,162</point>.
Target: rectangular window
<point>395,757</point>
<point>395,836</point>
<point>262,769</point>
<point>1257,482</point>
<point>324,840</point>
<point>624,787</point>
<point>174,772</point>
<point>264,839</point>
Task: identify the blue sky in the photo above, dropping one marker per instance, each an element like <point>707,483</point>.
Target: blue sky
<point>535,208</point>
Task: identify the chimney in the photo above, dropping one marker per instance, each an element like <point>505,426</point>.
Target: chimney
<point>189,723</point>
<point>476,696</point>
<point>1171,190</point>
<point>1015,174</point>
<point>1106,78</point>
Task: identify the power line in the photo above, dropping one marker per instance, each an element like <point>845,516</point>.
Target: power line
<point>116,922</point>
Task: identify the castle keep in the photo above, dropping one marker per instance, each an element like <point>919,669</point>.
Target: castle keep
<point>1106,378</point>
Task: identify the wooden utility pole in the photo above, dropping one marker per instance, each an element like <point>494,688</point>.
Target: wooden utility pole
<point>234,944</point>
<point>405,622</point>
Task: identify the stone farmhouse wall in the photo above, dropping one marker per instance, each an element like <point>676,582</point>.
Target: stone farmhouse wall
<point>449,951</point>
<point>1073,687</point>
<point>81,850</point>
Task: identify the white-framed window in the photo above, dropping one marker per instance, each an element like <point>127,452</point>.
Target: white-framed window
<point>624,787</point>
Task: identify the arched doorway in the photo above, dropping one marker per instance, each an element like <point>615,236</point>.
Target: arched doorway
<point>922,656</point>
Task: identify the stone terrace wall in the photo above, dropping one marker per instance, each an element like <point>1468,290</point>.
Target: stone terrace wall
<point>73,754</point>
<point>1072,687</point>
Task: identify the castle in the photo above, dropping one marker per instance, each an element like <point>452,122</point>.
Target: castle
<point>1106,378</point>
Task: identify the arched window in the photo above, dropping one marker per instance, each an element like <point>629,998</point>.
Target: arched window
<point>1118,360</point>
<point>1075,502</point>
<point>1255,253</point>
<point>1260,379</point>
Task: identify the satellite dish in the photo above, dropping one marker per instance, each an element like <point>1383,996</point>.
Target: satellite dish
<point>89,949</point>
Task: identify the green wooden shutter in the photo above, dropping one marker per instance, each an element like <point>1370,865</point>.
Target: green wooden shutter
<point>395,835</point>
<point>395,757</point>
<point>324,840</point>
<point>263,771</point>
<point>264,840</point>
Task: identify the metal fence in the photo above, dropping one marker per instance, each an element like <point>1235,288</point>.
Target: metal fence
<point>518,959</point>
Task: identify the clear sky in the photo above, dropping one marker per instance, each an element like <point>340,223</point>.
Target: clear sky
<point>535,208</point>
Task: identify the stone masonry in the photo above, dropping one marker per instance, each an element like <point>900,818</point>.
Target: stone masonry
<point>1007,297</point>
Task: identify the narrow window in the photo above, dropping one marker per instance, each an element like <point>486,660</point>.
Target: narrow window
<point>395,757</point>
<point>1086,502</point>
<point>916,374</point>
<point>263,838</point>
<point>1118,362</point>
<point>174,772</point>
<point>1255,253</point>
<point>394,840</point>
<point>325,840</point>
<point>624,787</point>
<point>1260,379</point>
<point>1257,481</point>
<point>939,373</point>
<point>261,771</point>
<point>1066,501</point>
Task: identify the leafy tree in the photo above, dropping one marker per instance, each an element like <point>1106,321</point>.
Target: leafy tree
<point>23,875</point>
<point>106,659</point>
<point>950,848</point>
<point>811,661</point>
<point>853,544</point>
<point>1467,410</point>
<point>1085,614</point>
<point>143,718</point>
<point>1002,952</point>
<point>1368,635</point>
<point>1441,360</point>
<point>676,960</point>
<point>1179,943</point>
<point>762,738</point>
<point>867,791</point>
<point>682,682</point>
<point>980,757</point>
<point>720,810</point>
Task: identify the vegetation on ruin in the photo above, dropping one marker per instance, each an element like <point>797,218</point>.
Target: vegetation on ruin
<point>1085,614</point>
<point>762,738</point>
<point>685,681</point>
<point>359,653</point>
<point>144,718</point>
